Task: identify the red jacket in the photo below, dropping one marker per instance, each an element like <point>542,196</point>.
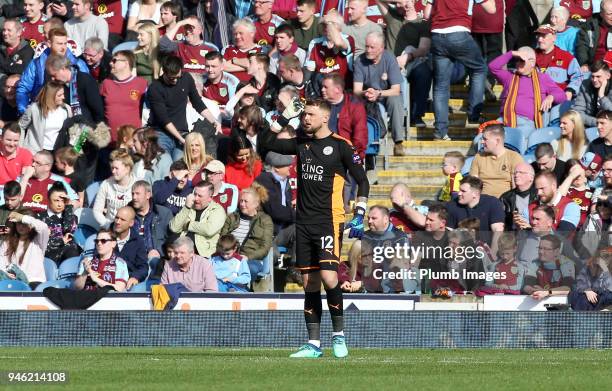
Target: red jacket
<point>353,123</point>
<point>236,174</point>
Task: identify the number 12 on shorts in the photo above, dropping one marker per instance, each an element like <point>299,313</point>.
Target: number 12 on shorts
<point>327,242</point>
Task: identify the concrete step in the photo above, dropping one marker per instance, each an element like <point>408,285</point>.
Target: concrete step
<point>411,162</point>
<point>458,119</point>
<point>429,148</point>
<point>462,91</point>
<point>418,192</point>
<point>411,178</point>
<point>455,133</point>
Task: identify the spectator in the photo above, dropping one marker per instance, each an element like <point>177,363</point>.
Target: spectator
<point>551,272</point>
<point>557,63</point>
<point>224,194</point>
<point>413,42</point>
<point>291,72</point>
<point>519,198</point>
<point>451,168</point>
<point>8,101</point>
<point>168,98</point>
<point>251,227</point>
<point>84,24</point>
<point>333,50</point>
<point>348,118</point>
<point>249,122</point>
<point>81,90</point>
<point>593,285</point>
<point>359,26</point>
<point>219,85</point>
<point>201,219</point>
<point>243,165</point>
<point>36,181</point>
<point>50,24</point>
<point>471,202</point>
<point>65,162</point>
<point>147,52</point>
<point>153,164</point>
<point>13,158</point>
<point>114,12</point>
<point>43,119</point>
<point>33,21</point>
<point>306,24</point>
<point>546,159</point>
<point>567,212</point>
<point>377,78</point>
<point>566,35</point>
<point>284,43</point>
<point>276,182</point>
<point>34,75</point>
<point>106,268</point>
<point>195,272</point>
<point>487,31</point>
<point>456,46</point>
<point>192,50</point>
<point>580,11</point>
<point>123,94</point>
<point>12,201</point>
<point>265,23</point>
<point>24,245</point>
<point>169,15</point>
<point>195,155</point>
<point>236,56</point>
<point>231,270</point>
<point>130,246</point>
<point>116,191</point>
<point>143,10</point>
<point>151,220</point>
<point>595,94</point>
<point>266,83</point>
<point>591,45</point>
<point>521,105</point>
<point>496,163</point>
<point>511,272</point>
<point>287,95</point>
<point>573,143</point>
<point>405,215</point>
<point>576,185</point>
<point>602,145</point>
<point>62,224</point>
<point>172,191</point>
<point>97,59</point>
<point>15,52</point>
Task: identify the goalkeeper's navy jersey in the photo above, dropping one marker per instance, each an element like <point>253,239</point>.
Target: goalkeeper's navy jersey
<point>322,166</point>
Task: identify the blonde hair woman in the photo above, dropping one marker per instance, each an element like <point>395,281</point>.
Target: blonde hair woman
<point>195,154</point>
<point>572,143</point>
<point>147,52</point>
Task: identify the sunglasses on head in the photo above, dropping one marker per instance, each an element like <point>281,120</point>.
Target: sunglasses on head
<point>102,241</point>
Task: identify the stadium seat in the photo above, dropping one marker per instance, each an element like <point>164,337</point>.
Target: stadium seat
<point>50,269</point>
<point>540,136</point>
<point>153,262</point>
<point>129,46</point>
<point>69,268</point>
<point>14,286</point>
<point>86,217</point>
<point>54,284</point>
<point>529,158</point>
<point>90,193</point>
<point>90,246</point>
<point>144,286</point>
<point>265,279</point>
<point>514,140</point>
<point>83,233</point>
<point>373,137</point>
<point>591,134</point>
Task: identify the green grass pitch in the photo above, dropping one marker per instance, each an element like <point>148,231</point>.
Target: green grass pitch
<point>372,369</point>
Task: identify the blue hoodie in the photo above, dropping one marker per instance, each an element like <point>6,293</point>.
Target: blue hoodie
<point>166,194</point>
<point>234,269</point>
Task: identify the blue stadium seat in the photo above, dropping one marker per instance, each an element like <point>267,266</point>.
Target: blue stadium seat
<point>90,246</point>
<point>514,140</point>
<point>14,286</point>
<point>91,192</point>
<point>50,269</point>
<point>153,262</point>
<point>465,170</point>
<point>373,137</point>
<point>54,284</point>
<point>540,136</point>
<point>83,233</point>
<point>529,158</point>
<point>144,286</point>
<point>69,268</point>
<point>129,46</point>
<point>591,134</point>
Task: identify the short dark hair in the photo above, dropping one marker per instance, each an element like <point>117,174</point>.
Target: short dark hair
<point>11,189</point>
<point>546,174</point>
<point>214,55</point>
<point>227,242</point>
<point>383,209</point>
<point>285,29</point>
<point>175,8</point>
<point>320,103</point>
<point>474,182</point>
<point>129,56</point>
<point>440,210</point>
<point>547,209</point>
<point>13,127</point>
<point>172,65</point>
<point>56,187</point>
<point>311,3</point>
<point>598,66</point>
<point>205,185</point>
<point>544,149</point>
<point>553,239</point>
<point>291,62</point>
<point>607,114</point>
<point>109,231</point>
<point>178,165</point>
<point>336,78</point>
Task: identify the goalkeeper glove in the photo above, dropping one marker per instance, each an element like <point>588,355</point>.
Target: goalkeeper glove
<point>356,223</point>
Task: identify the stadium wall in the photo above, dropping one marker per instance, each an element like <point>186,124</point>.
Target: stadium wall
<point>282,329</point>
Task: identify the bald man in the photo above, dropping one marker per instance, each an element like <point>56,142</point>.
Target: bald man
<point>519,198</point>
<point>130,246</point>
<point>406,215</point>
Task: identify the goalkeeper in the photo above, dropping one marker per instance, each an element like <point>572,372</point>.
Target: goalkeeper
<point>324,159</point>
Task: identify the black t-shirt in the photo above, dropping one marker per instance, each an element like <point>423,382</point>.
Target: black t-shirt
<point>599,147</point>
<point>410,34</point>
<point>489,210</point>
<point>559,170</point>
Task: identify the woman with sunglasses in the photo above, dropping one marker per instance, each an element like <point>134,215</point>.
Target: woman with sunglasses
<point>105,269</point>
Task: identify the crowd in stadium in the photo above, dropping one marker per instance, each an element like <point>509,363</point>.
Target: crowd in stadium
<point>132,139</point>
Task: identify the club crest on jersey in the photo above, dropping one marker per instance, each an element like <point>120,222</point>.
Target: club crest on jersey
<point>223,198</point>
<point>41,29</point>
<point>559,63</point>
<point>328,150</point>
<point>134,94</point>
<point>586,4</point>
<point>102,9</point>
<point>271,30</point>
<point>179,37</point>
<point>203,52</point>
<point>223,91</point>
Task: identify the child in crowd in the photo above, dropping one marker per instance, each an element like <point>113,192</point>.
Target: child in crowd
<point>125,137</point>
<point>231,269</point>
<point>511,272</point>
<point>451,167</point>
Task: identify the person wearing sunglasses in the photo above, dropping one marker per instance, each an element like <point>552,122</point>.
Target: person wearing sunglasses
<point>105,269</point>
